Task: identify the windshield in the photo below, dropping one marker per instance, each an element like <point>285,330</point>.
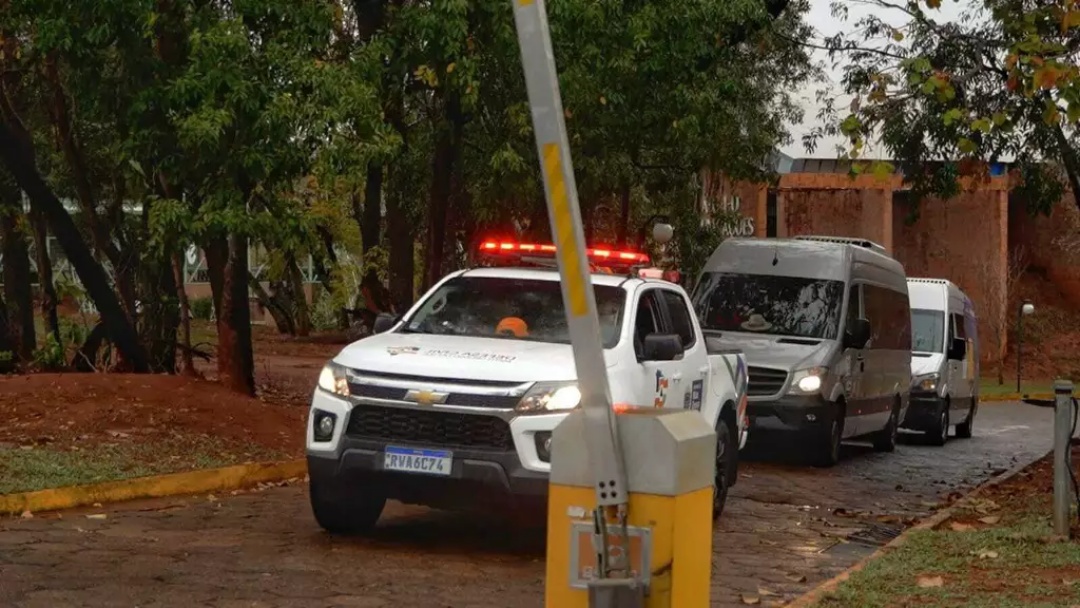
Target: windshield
<point>927,331</point>
<point>785,306</point>
<point>511,309</point>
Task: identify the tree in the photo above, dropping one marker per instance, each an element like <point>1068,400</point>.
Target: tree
<point>947,98</point>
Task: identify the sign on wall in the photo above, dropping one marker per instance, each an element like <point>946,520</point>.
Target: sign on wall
<point>731,220</point>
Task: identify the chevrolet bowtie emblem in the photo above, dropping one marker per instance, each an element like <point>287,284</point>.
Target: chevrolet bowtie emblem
<point>426,397</point>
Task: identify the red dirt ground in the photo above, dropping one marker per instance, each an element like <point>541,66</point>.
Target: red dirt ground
<point>89,409</point>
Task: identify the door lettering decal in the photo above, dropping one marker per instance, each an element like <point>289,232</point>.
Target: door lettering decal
<point>661,390</point>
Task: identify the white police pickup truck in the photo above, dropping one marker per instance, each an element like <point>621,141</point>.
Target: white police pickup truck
<point>453,405</point>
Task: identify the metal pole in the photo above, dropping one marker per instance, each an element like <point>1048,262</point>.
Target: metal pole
<point>560,189</point>
<point>1063,412</point>
<point>1019,342</point>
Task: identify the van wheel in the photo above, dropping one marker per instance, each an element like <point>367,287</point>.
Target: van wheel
<point>725,467</point>
<point>345,510</point>
<point>885,439</point>
<point>827,444</point>
<point>963,430</point>
<point>939,431</point>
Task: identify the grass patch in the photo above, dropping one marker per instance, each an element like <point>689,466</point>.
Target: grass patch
<point>1016,565</point>
<point>24,470</point>
<point>988,387</point>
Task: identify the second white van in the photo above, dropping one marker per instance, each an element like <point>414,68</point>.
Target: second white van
<point>944,360</point>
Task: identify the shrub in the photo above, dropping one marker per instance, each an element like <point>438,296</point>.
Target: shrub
<point>202,309</point>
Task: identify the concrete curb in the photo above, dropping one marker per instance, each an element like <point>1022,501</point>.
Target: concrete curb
<point>1015,397</point>
<point>810,597</point>
<point>192,482</point>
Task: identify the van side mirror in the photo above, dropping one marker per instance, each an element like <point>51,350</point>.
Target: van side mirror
<point>662,347</point>
<point>384,322</point>
<point>858,334</point>
<point>958,349</point>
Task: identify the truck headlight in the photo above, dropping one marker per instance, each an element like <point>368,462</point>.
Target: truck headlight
<point>550,397</point>
<point>807,381</point>
<point>926,382</point>
<point>332,379</point>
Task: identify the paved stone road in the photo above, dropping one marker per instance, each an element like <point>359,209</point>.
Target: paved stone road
<point>781,535</point>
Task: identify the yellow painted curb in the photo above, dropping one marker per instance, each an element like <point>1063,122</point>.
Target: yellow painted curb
<point>174,484</point>
<point>810,598</point>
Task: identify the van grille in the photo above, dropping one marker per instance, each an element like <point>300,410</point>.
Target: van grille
<point>765,382</point>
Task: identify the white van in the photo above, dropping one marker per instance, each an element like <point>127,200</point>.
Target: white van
<point>945,360</point>
<point>826,329</point>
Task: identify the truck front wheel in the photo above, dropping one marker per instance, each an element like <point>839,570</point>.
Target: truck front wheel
<point>826,444</point>
<point>725,467</point>
<point>345,509</point>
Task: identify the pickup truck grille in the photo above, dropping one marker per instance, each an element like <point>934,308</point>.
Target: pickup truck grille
<point>431,428</point>
<point>391,393</point>
<point>765,382</point>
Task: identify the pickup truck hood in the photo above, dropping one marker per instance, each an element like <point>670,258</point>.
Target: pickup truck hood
<point>772,351</point>
<point>464,358</point>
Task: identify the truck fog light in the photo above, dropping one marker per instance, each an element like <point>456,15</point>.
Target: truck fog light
<point>324,425</point>
<point>543,445</point>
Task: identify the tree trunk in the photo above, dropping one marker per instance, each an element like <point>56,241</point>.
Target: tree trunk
<point>236,364</point>
<point>273,304</point>
<point>17,152</point>
<point>187,365</point>
<point>49,299</point>
<point>7,355</point>
<point>402,256</point>
<point>442,173</point>
<point>17,286</point>
<point>300,303</point>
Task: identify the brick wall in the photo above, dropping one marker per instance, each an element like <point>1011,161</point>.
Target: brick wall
<point>1050,244</point>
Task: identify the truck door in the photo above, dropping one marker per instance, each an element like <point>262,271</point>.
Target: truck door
<point>959,380</point>
<point>658,381</point>
<point>693,369</point>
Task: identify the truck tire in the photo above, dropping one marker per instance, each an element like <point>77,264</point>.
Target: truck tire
<point>725,459</point>
<point>963,430</point>
<point>826,445</point>
<point>344,510</point>
<point>938,433</point>
<point>885,439</point>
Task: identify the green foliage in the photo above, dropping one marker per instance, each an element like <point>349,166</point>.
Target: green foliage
<point>202,309</point>
<point>51,356</point>
<point>998,84</point>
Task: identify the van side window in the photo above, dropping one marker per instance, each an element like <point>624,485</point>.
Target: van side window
<point>890,318</point>
<point>853,311</point>
<point>680,317</point>
<point>646,319</point>
<point>958,329</point>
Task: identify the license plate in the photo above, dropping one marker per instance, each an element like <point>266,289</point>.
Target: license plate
<point>410,460</point>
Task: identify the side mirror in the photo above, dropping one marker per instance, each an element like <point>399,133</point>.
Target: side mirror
<point>384,322</point>
<point>858,334</point>
<point>958,349</point>
<point>662,347</point>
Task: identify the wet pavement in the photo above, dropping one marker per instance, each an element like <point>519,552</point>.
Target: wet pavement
<point>788,527</point>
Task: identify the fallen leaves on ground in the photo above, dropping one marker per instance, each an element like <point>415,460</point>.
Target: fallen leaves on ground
<point>750,600</point>
<point>930,582</point>
<point>960,527</point>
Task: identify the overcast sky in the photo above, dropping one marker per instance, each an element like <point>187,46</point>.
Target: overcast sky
<point>821,18</point>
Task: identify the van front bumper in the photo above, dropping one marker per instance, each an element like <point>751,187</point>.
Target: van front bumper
<point>799,413</point>
<point>924,408</point>
<point>477,478</point>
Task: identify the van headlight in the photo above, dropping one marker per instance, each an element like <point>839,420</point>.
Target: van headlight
<point>807,381</point>
<point>926,382</point>
<point>550,397</point>
<point>332,379</point>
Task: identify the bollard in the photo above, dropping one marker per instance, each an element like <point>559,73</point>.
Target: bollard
<point>1063,413</point>
<point>669,456</point>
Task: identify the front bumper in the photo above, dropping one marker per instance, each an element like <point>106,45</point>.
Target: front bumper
<point>792,413</point>
<point>492,470</point>
<point>477,478</point>
<point>924,407</point>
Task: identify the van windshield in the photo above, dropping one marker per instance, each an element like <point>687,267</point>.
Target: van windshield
<point>927,330</point>
<point>786,306</point>
<point>511,309</point>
